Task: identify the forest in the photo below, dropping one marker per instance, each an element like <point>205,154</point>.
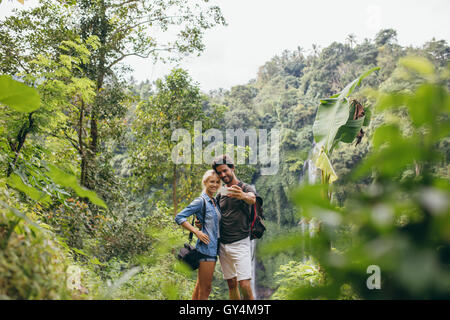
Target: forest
<point>88,191</point>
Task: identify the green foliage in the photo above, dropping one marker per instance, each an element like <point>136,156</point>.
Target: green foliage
<point>269,259</point>
<point>401,221</point>
<point>16,182</point>
<point>176,105</point>
<point>73,156</point>
<point>289,101</point>
<point>67,180</point>
<point>296,275</point>
<point>147,271</point>
<point>32,259</point>
<point>32,264</point>
<point>334,119</point>
<point>18,95</point>
<point>385,36</point>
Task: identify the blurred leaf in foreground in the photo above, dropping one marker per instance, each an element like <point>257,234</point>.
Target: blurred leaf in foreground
<point>67,180</point>
<point>400,224</point>
<point>17,95</point>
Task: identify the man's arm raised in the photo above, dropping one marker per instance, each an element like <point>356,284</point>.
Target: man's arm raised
<point>238,193</point>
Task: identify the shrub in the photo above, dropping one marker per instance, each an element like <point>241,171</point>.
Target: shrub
<point>32,265</point>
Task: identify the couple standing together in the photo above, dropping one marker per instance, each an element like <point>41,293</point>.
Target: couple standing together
<point>225,230</point>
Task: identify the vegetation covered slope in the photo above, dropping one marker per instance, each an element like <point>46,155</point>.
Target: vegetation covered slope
<point>88,191</point>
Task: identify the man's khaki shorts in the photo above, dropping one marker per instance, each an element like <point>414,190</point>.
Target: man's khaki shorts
<point>236,260</point>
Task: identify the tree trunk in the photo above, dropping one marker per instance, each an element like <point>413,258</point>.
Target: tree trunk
<point>20,140</point>
<point>89,155</point>
<point>101,31</point>
<point>174,190</point>
<point>279,207</point>
<point>81,150</point>
<point>417,167</point>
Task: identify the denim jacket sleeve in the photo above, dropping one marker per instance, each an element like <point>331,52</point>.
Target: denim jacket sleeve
<point>194,207</point>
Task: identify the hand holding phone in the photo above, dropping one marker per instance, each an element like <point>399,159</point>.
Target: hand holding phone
<point>224,191</point>
<point>235,191</point>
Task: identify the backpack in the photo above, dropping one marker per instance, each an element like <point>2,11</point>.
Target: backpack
<point>257,226</point>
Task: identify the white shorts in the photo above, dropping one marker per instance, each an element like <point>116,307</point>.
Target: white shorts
<point>236,260</point>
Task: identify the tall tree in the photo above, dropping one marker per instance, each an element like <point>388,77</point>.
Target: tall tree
<point>124,28</point>
<point>386,36</point>
<point>351,39</point>
<point>177,104</point>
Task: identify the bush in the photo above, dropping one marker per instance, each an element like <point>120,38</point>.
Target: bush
<point>32,265</point>
<point>400,224</point>
<point>296,274</point>
<point>122,239</point>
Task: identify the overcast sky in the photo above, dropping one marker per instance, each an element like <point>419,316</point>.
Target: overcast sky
<point>259,29</point>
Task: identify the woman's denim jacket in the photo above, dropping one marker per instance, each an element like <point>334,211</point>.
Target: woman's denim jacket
<point>209,227</point>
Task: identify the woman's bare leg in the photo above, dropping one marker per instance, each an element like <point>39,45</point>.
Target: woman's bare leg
<point>195,294</point>
<point>204,279</point>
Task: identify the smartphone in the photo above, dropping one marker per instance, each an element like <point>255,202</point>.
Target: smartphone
<point>224,191</point>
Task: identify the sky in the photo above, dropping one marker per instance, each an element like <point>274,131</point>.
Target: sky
<point>260,29</point>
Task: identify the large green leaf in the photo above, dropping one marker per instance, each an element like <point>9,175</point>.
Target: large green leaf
<point>348,132</point>
<point>322,162</point>
<point>17,95</point>
<point>67,180</point>
<point>333,113</point>
<point>367,117</point>
<point>419,64</point>
<point>16,182</point>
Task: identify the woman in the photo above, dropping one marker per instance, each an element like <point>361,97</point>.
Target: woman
<point>207,243</point>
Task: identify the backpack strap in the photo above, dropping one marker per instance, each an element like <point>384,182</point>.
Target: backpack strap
<point>218,198</point>
<point>191,234</point>
<point>255,214</point>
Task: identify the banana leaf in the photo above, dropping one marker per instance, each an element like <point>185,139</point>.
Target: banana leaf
<point>333,113</point>
<point>322,162</point>
<point>348,132</point>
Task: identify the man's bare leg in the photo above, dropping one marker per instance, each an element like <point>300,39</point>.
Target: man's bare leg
<point>246,289</point>
<point>233,289</point>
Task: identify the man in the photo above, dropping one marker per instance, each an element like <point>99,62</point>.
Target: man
<point>235,247</point>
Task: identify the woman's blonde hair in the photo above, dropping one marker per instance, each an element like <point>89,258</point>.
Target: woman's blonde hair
<point>208,174</point>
